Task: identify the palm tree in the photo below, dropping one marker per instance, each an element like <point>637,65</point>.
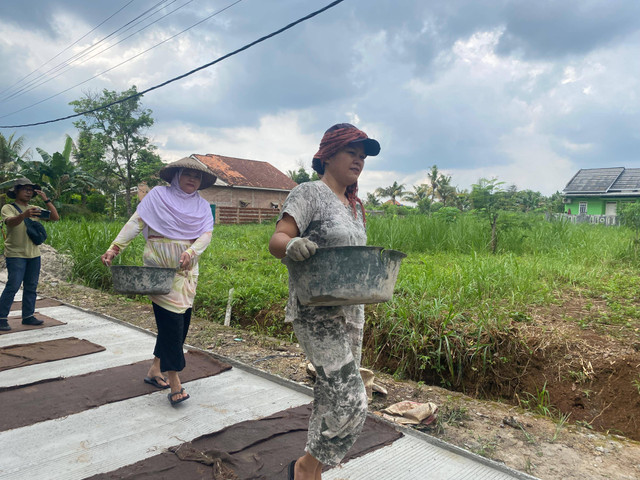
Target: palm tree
<point>395,190</point>
<point>420,192</point>
<point>446,191</point>
<point>10,151</point>
<point>434,179</point>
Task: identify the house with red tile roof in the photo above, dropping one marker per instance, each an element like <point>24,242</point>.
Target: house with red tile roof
<point>245,186</point>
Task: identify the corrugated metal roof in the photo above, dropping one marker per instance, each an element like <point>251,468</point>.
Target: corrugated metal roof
<point>239,172</point>
<point>593,180</point>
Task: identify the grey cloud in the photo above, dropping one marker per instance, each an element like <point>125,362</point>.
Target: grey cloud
<point>36,14</point>
<point>339,64</point>
<point>551,29</point>
<point>611,136</point>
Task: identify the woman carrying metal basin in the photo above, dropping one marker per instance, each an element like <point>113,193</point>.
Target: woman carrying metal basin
<point>328,213</point>
<point>177,224</point>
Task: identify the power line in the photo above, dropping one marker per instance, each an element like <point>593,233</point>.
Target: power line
<point>125,61</point>
<point>202,67</point>
<point>86,51</point>
<point>61,52</point>
<point>28,88</point>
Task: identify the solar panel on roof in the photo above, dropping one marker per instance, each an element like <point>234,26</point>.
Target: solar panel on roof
<point>594,180</point>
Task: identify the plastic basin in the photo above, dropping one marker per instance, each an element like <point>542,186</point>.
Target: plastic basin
<point>345,275</point>
<point>142,280</point>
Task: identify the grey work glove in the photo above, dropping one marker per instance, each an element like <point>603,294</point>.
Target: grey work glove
<point>300,248</point>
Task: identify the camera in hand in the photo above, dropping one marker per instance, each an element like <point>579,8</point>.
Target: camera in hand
<point>45,214</point>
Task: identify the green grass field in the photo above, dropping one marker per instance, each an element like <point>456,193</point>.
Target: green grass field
<point>454,303</point>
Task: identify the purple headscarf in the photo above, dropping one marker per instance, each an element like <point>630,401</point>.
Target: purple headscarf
<point>175,214</point>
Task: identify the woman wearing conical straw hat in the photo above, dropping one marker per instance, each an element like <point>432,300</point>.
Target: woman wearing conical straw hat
<point>177,224</point>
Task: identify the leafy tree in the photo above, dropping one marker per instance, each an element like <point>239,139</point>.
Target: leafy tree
<point>97,203</point>
<point>554,203</point>
<point>372,200</point>
<point>424,205</point>
<point>394,191</point>
<point>112,142</point>
<point>447,214</point>
<point>528,200</point>
<point>462,200</point>
<point>299,176</point>
<point>147,167</point>
<point>489,200</point>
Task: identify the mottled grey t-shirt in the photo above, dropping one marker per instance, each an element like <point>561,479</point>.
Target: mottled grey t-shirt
<point>325,220</point>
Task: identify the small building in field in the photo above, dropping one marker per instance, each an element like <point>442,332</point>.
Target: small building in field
<point>246,190</point>
<point>601,191</point>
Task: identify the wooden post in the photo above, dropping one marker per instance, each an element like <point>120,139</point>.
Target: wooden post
<point>227,315</point>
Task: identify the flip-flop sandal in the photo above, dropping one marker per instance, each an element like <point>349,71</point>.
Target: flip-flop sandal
<point>175,402</point>
<point>154,381</point>
<point>292,470</point>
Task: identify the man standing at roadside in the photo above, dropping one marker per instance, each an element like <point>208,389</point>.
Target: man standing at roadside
<point>22,255</point>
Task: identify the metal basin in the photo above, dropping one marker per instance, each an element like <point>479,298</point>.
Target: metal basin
<point>345,275</point>
<point>142,280</point>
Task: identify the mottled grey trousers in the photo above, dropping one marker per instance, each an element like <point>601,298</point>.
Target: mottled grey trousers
<point>334,347</point>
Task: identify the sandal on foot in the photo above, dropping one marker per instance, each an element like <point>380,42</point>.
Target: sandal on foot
<point>175,402</point>
<point>292,470</point>
<point>155,381</point>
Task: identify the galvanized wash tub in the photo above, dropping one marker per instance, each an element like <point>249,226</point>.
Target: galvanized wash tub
<point>345,275</point>
<point>142,280</point>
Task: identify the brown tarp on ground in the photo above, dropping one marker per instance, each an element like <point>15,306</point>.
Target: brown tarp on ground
<point>16,324</point>
<point>15,356</point>
<point>42,303</point>
<point>255,449</point>
<point>59,397</point>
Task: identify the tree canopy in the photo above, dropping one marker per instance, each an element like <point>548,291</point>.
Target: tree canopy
<point>58,174</point>
<point>112,145</point>
<point>393,191</point>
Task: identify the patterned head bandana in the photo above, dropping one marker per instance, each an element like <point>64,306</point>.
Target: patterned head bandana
<point>337,137</point>
<point>340,136</point>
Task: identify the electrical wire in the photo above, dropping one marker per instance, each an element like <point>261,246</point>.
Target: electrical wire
<point>123,62</point>
<point>202,67</point>
<point>28,89</point>
<point>86,51</point>
<point>61,52</point>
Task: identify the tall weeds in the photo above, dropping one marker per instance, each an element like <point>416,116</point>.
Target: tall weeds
<point>455,305</point>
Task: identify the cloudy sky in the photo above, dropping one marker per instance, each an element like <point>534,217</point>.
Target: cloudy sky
<point>527,92</point>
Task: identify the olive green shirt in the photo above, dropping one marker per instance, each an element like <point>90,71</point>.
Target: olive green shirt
<point>18,244</point>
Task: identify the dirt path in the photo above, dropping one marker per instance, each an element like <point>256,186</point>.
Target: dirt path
<point>526,442</point>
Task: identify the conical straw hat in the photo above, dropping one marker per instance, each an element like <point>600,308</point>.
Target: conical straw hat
<point>168,171</point>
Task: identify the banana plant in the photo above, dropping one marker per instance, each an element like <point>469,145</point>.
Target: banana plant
<point>57,174</point>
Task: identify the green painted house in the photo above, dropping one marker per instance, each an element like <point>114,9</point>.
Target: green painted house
<point>600,191</point>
